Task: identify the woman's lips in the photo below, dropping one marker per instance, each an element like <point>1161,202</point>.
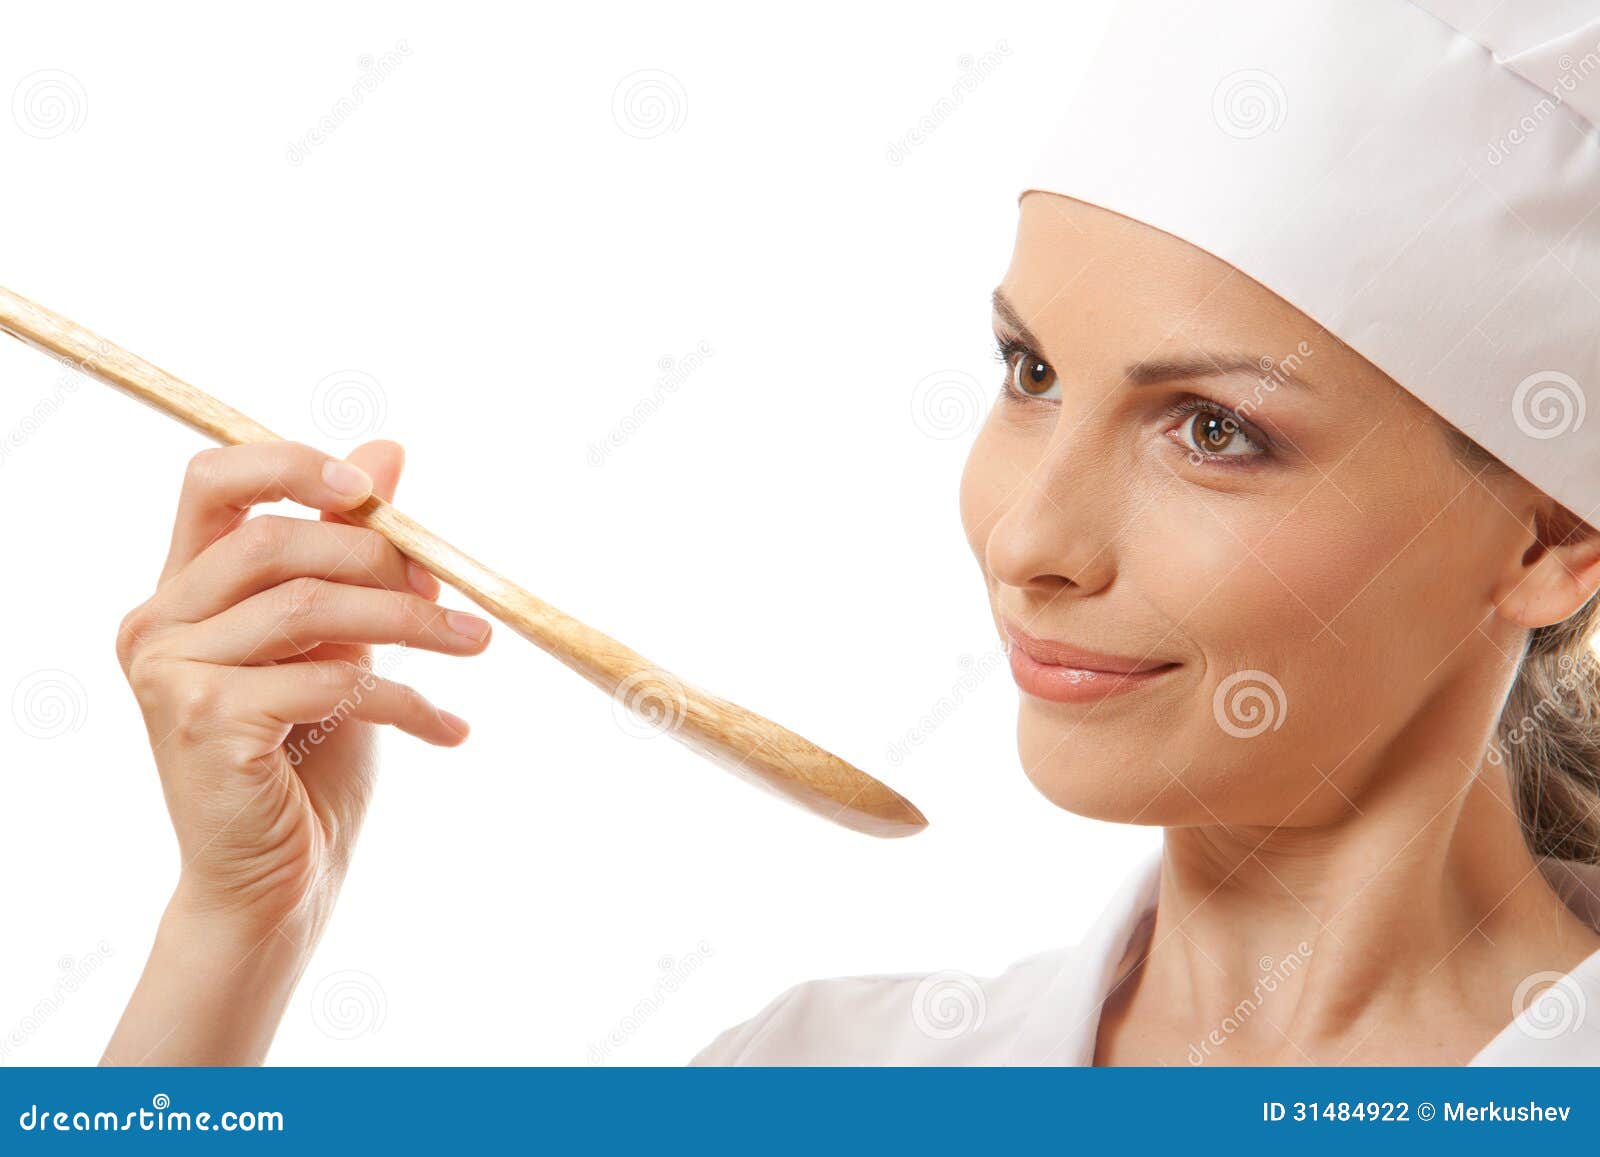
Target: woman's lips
<point>1067,674</point>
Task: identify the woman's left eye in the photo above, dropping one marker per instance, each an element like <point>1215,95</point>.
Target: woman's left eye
<point>1209,433</point>
<point>1027,373</point>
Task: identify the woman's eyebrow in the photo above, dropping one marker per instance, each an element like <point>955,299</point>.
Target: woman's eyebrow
<point>1156,370</point>
<point>1015,322</point>
<point>1008,314</point>
<point>1211,366</point>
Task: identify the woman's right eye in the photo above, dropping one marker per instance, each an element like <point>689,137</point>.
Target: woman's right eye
<point>1027,373</point>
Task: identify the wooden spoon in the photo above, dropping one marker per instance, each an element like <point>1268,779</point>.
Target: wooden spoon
<point>755,748</point>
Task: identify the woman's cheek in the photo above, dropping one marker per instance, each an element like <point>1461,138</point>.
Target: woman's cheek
<point>1199,563</point>
<point>1294,561</point>
<point>1331,557</point>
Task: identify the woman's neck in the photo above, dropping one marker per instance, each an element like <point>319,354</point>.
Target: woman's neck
<point>1397,934</point>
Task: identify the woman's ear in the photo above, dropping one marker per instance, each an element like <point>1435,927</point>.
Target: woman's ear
<point>1557,572</point>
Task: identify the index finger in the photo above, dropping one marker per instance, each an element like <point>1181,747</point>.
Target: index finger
<point>222,485</point>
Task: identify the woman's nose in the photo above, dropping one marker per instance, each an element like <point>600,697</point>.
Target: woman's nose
<point>1055,532</point>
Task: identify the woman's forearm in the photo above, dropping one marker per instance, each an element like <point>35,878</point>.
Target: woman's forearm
<point>213,990</point>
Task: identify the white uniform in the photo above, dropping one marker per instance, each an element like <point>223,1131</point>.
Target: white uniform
<point>1045,1010</point>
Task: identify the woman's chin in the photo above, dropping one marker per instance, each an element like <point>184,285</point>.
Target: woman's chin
<point>1093,776</point>
<point>1096,794</point>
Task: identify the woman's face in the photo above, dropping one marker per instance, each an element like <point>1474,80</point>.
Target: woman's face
<point>1238,564</point>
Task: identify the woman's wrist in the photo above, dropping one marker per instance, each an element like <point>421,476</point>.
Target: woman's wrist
<point>236,914</point>
<point>217,982</point>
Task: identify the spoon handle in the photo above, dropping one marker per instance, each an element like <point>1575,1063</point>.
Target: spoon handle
<point>753,747</point>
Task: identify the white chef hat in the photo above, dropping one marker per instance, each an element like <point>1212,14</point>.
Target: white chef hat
<point>1422,179</point>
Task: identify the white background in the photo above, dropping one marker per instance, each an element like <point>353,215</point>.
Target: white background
<point>508,253</point>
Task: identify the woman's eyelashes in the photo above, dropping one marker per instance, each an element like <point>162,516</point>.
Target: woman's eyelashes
<point>1027,374</point>
<point>1207,431</point>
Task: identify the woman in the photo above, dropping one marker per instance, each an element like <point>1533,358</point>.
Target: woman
<point>1289,558</point>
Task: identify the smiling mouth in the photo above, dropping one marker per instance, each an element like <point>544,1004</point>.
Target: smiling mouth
<point>1066,674</point>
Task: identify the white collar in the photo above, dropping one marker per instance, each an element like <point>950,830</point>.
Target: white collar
<point>1559,1026</point>
<point>1062,1026</point>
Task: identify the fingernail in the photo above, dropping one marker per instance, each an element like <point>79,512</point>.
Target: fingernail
<point>421,581</point>
<point>467,626</point>
<point>345,480</point>
<point>455,723</point>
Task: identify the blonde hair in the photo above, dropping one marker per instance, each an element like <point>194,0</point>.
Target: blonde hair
<point>1548,737</point>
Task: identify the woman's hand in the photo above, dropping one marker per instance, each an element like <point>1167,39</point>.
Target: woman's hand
<point>251,666</point>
